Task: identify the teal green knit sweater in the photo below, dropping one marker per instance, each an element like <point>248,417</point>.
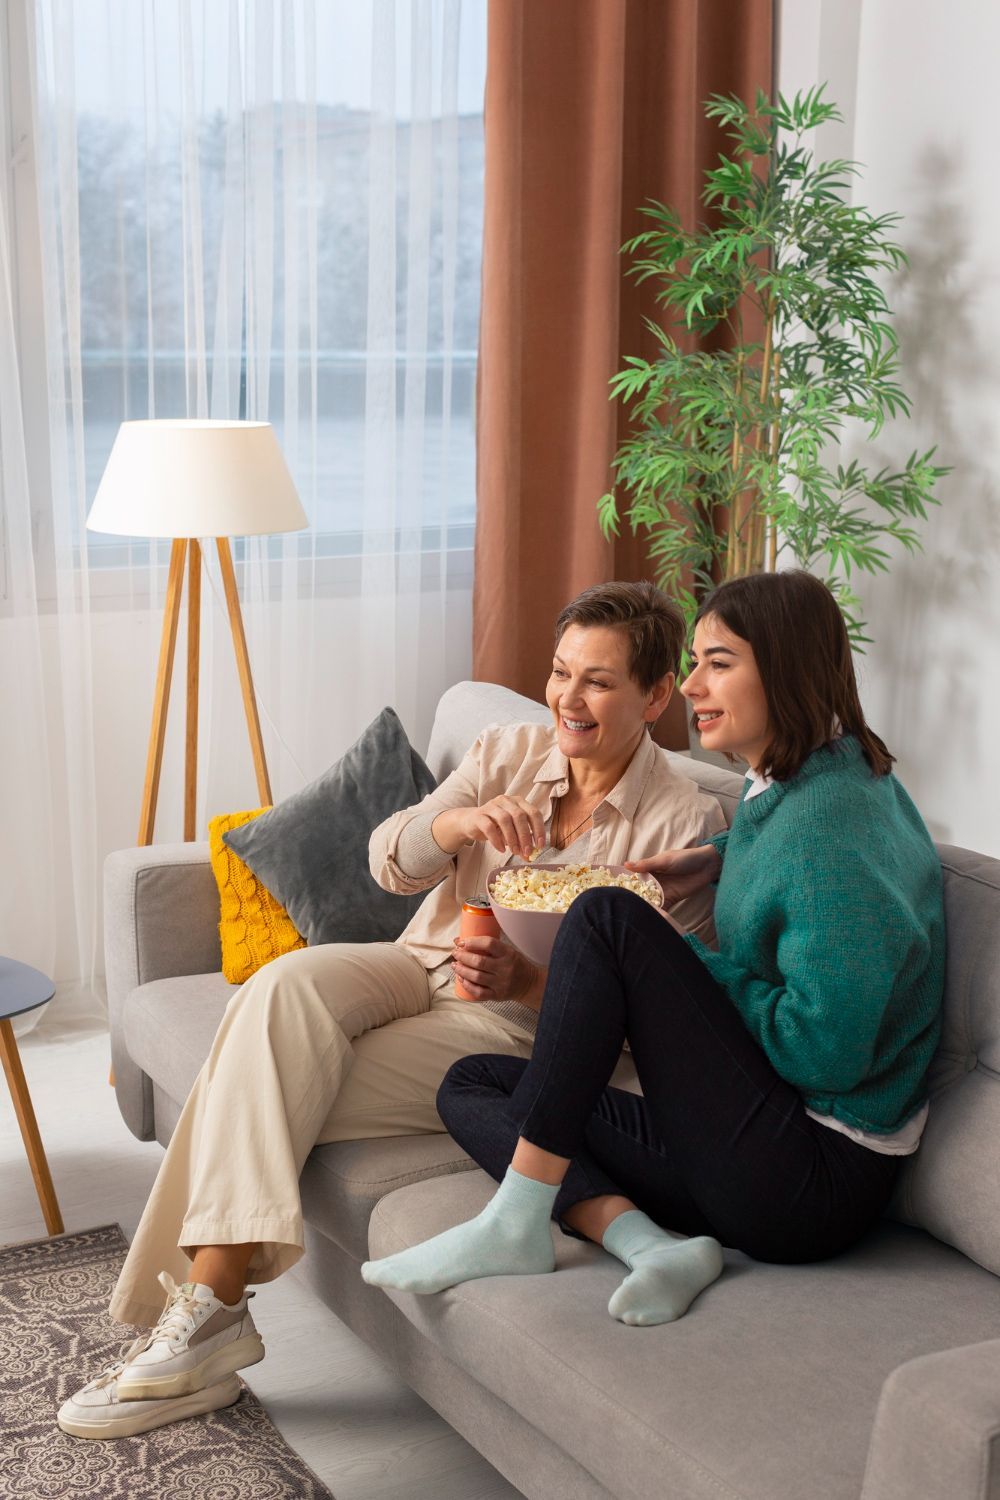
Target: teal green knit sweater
<point>831,936</point>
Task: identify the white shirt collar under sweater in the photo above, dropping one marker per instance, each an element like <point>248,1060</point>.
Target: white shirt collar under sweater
<point>760,781</point>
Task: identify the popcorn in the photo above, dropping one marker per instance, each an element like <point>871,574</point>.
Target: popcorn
<point>526,889</point>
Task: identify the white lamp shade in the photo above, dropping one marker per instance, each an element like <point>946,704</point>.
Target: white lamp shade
<point>186,478</point>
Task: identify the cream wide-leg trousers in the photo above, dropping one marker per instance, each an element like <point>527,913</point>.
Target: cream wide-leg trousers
<point>334,1043</point>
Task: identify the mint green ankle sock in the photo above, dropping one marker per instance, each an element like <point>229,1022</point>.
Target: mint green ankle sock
<point>668,1271</point>
<point>511,1237</point>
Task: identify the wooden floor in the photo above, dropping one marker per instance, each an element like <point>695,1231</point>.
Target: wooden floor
<point>360,1429</point>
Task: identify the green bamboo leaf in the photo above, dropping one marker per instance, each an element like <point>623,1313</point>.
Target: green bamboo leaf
<point>607,514</point>
<point>785,238</point>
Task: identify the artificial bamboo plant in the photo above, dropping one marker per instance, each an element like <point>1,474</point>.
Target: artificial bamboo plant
<point>730,466</point>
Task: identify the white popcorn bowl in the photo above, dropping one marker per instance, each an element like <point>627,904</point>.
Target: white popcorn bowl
<point>533,933</point>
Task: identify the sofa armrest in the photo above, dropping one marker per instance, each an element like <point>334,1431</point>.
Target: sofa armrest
<point>161,918</point>
<point>937,1428</point>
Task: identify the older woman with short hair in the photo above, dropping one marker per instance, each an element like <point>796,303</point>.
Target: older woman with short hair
<point>349,1041</point>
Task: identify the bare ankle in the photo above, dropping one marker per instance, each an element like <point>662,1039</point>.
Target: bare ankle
<point>223,1268</point>
<point>592,1216</point>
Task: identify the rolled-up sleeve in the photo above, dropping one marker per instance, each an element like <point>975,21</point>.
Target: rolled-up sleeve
<point>418,852</point>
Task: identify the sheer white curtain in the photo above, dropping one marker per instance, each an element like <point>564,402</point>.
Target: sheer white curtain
<point>259,208</point>
<point>28,814</point>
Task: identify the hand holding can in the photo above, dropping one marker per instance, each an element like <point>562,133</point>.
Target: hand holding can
<point>477,921</point>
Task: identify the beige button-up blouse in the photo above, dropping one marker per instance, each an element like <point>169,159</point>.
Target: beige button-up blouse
<point>653,807</point>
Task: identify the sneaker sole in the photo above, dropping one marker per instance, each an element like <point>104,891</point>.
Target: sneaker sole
<point>212,1398</point>
<point>225,1361</point>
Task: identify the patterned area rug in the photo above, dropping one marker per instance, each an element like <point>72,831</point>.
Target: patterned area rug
<point>55,1334</point>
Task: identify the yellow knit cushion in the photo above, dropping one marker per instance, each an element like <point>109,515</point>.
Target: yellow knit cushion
<point>254,928</point>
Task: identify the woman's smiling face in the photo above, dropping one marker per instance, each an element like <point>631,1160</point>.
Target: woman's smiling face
<point>726,693</point>
<point>600,711</point>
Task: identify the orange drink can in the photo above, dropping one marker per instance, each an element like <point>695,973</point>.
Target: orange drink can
<point>477,921</point>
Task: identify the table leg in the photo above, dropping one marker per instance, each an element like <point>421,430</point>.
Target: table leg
<point>17,1084</point>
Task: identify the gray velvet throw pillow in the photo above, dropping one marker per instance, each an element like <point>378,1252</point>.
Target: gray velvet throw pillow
<point>311,851</point>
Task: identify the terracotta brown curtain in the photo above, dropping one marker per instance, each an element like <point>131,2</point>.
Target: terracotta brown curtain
<point>592,106</point>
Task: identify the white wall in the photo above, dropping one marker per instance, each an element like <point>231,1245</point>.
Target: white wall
<point>916,81</point>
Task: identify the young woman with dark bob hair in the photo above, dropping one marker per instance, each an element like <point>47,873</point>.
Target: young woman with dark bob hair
<point>783,1076</point>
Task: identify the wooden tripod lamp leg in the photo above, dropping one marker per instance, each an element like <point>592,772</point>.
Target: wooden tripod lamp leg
<point>193,651</point>
<point>243,667</point>
<point>161,696</point>
<point>25,1113</point>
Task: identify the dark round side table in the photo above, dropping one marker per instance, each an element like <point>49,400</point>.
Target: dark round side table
<point>22,989</point>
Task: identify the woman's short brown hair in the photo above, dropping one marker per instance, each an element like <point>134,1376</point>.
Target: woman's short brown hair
<point>652,624</point>
<point>800,644</point>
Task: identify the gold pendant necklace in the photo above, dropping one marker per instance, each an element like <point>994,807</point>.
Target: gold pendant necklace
<point>561,840</point>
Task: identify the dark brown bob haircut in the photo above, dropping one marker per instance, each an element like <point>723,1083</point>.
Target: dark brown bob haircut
<point>800,644</point>
<point>652,624</point>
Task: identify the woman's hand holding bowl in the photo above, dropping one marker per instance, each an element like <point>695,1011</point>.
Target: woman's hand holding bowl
<point>680,872</point>
<point>508,823</point>
<point>491,968</point>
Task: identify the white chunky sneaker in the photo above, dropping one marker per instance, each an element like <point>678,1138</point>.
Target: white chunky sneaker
<point>197,1341</point>
<point>97,1411</point>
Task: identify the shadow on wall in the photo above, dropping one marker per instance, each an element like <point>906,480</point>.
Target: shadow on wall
<point>948,367</point>
<point>838,62</point>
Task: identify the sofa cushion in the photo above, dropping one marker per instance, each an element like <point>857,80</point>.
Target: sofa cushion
<point>254,928</point>
<point>341,1183</point>
<point>169,1027</point>
<point>311,850</point>
<point>952,1185</point>
<point>767,1390</point>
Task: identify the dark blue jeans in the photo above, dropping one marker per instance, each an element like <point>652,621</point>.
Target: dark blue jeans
<point>718,1143</point>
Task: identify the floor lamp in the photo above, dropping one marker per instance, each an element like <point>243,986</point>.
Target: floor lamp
<point>188,480</point>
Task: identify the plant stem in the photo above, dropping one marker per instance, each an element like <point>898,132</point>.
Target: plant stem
<point>733,542</point>
<point>772,559</point>
<point>754,560</point>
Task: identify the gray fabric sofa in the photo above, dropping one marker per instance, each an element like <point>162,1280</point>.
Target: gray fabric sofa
<point>875,1376</point>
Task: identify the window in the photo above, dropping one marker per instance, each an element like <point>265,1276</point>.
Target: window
<point>279,218</point>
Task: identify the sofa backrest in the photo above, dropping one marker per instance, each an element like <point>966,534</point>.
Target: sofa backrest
<point>952,1186</point>
<point>465,709</point>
